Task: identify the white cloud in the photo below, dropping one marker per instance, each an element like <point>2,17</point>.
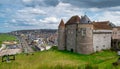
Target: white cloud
<point>45,17</point>
<point>50,16</point>
<point>13,20</point>
<point>26,0</point>
<point>49,20</point>
<point>113,16</point>
<point>32,11</point>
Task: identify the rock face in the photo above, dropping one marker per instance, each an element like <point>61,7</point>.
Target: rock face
<point>79,35</point>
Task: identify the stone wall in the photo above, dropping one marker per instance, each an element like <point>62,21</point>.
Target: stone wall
<point>102,40</point>
<point>61,39</point>
<point>85,39</point>
<point>116,33</point>
<point>71,37</point>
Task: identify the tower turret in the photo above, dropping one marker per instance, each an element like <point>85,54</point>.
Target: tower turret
<point>61,36</point>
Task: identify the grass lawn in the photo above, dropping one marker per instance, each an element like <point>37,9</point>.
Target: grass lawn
<point>6,37</point>
<point>54,59</point>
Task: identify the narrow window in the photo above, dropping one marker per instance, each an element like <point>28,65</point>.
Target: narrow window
<point>96,46</point>
<point>79,30</point>
<point>83,31</point>
<point>104,36</point>
<point>103,45</point>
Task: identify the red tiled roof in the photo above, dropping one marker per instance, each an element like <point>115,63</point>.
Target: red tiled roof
<point>61,24</point>
<point>102,25</point>
<point>73,20</point>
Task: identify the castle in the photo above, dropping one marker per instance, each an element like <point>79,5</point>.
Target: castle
<point>81,35</point>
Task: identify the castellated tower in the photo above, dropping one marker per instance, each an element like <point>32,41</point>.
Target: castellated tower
<point>61,36</point>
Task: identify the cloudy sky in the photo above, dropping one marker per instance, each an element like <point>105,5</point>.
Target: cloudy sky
<point>46,14</point>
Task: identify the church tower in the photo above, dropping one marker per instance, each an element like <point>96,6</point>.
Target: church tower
<point>61,36</point>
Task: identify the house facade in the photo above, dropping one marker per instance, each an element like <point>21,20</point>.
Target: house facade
<point>81,35</point>
<point>116,32</point>
<point>102,34</point>
<point>116,38</point>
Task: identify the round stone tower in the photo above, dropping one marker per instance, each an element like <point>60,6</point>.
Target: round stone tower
<point>85,39</point>
<point>61,36</point>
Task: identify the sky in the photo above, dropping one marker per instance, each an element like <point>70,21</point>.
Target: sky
<point>46,14</point>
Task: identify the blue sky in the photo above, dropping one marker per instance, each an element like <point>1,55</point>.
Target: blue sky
<point>46,14</point>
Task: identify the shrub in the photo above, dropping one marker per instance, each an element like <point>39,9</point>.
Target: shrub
<point>54,48</point>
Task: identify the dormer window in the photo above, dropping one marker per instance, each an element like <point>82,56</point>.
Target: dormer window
<point>88,21</point>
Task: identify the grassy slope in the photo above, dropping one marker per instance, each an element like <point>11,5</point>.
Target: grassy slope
<point>58,59</point>
<point>54,59</point>
<point>6,37</point>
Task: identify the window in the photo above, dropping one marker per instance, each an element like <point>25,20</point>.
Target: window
<point>79,30</point>
<point>96,46</point>
<point>103,45</point>
<point>104,36</point>
<point>70,32</point>
<point>88,21</point>
<point>83,31</point>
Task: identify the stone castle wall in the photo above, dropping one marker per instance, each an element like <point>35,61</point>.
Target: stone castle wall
<point>85,39</point>
<point>102,40</point>
<point>61,39</point>
<point>71,37</point>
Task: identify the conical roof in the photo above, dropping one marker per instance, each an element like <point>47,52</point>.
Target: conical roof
<point>112,25</point>
<point>61,24</point>
<point>73,20</point>
<point>85,19</point>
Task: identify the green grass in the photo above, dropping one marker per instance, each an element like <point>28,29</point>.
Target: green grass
<point>6,37</point>
<point>54,59</point>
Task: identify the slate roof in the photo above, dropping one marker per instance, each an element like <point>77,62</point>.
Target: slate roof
<point>84,19</point>
<point>112,25</point>
<point>102,25</point>
<point>73,20</point>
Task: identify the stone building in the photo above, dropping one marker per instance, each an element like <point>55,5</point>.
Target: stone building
<point>116,37</point>
<point>102,34</point>
<point>116,32</point>
<point>81,35</point>
<point>61,36</point>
